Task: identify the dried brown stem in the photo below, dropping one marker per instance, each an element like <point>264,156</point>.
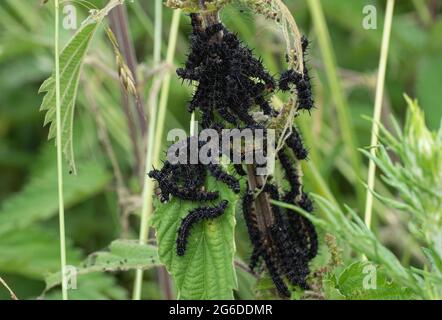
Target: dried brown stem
<point>264,213</point>
<point>121,29</point>
<point>118,23</point>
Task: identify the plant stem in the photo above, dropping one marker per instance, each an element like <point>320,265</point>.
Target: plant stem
<point>337,92</point>
<point>60,157</point>
<point>121,30</point>
<point>13,295</point>
<point>162,108</point>
<point>156,129</point>
<point>378,109</point>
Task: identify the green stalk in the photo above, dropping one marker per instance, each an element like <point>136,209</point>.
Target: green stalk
<point>166,86</point>
<point>378,109</point>
<point>60,157</point>
<point>155,133</point>
<point>337,92</point>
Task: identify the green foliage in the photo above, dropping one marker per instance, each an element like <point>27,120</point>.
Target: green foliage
<point>415,176</point>
<point>363,280</point>
<point>38,252</point>
<point>38,199</point>
<point>352,230</point>
<point>122,255</point>
<point>404,243</point>
<point>71,62</point>
<point>206,271</point>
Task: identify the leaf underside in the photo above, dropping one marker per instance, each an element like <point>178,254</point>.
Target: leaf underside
<point>122,255</point>
<point>71,62</point>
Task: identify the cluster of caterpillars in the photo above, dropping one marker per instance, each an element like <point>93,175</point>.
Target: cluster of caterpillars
<point>230,84</point>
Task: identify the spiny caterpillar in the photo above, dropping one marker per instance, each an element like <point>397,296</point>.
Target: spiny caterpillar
<point>186,182</point>
<point>301,81</point>
<point>294,142</point>
<point>230,79</point>
<point>195,216</point>
<point>231,84</point>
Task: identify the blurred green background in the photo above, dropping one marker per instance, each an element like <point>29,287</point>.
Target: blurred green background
<point>28,196</point>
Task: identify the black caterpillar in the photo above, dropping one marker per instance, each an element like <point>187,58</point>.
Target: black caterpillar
<point>230,79</point>
<point>294,142</point>
<point>231,83</point>
<point>186,182</point>
<point>302,82</point>
<point>223,176</point>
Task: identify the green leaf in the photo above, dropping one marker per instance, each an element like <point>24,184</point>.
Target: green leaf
<point>38,198</point>
<point>206,271</point>
<point>330,290</point>
<point>71,62</point>
<point>122,255</point>
<point>364,280</point>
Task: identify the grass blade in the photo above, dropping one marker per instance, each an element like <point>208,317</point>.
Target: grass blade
<point>337,91</point>
<point>378,110</point>
<point>156,128</point>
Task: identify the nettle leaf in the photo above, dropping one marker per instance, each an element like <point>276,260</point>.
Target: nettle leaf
<point>122,255</point>
<point>32,252</point>
<point>37,200</point>
<point>71,62</point>
<point>206,271</point>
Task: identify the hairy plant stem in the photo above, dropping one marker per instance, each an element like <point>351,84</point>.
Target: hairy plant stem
<point>156,128</point>
<point>378,109</point>
<point>337,91</point>
<point>64,289</point>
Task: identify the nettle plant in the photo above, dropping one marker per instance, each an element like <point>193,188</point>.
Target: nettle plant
<point>196,204</point>
<point>195,224</point>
